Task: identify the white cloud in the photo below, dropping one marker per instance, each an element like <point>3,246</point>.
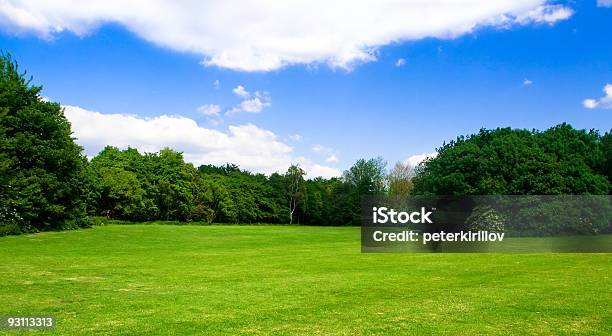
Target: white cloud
<point>264,35</point>
<point>212,113</point>
<point>603,102</point>
<point>400,62</point>
<point>295,137</point>
<point>329,152</point>
<point>210,110</point>
<point>250,104</point>
<point>545,14</point>
<point>608,90</point>
<point>527,82</point>
<point>604,3</point>
<point>316,170</point>
<point>249,146</point>
<point>241,92</point>
<point>254,105</point>
<point>590,103</point>
<point>414,160</point>
<point>216,84</point>
<point>332,159</point>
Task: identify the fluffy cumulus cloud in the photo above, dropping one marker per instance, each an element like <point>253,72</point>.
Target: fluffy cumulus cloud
<point>210,110</point>
<point>263,35</point>
<point>251,103</point>
<point>590,103</point>
<point>603,102</point>
<point>527,82</point>
<point>414,160</point>
<point>249,146</point>
<point>254,105</point>
<point>314,170</point>
<point>241,92</point>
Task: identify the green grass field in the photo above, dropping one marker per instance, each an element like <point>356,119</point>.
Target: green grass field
<point>165,279</point>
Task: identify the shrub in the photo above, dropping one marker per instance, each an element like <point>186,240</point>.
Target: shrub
<point>485,218</point>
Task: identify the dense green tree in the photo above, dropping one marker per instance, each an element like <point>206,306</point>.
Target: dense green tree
<point>330,202</point>
<point>345,204</point>
<point>122,185</point>
<point>606,166</point>
<point>43,182</point>
<point>242,197</point>
<point>367,176</point>
<point>159,185</point>
<point>174,181</point>
<point>560,160</point>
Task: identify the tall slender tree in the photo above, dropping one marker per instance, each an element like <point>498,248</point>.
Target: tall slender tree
<point>295,189</point>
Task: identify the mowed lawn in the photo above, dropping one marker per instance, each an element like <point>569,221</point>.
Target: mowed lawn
<point>285,280</point>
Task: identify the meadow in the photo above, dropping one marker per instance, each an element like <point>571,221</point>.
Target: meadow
<point>289,280</point>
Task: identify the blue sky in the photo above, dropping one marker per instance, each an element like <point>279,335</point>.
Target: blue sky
<point>523,74</point>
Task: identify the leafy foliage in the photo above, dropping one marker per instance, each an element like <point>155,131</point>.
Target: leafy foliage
<point>161,186</point>
<point>560,160</point>
<point>43,181</point>
<point>484,218</point>
<point>295,189</point>
<point>399,179</point>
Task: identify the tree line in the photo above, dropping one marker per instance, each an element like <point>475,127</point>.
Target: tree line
<point>125,184</point>
<point>47,183</point>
